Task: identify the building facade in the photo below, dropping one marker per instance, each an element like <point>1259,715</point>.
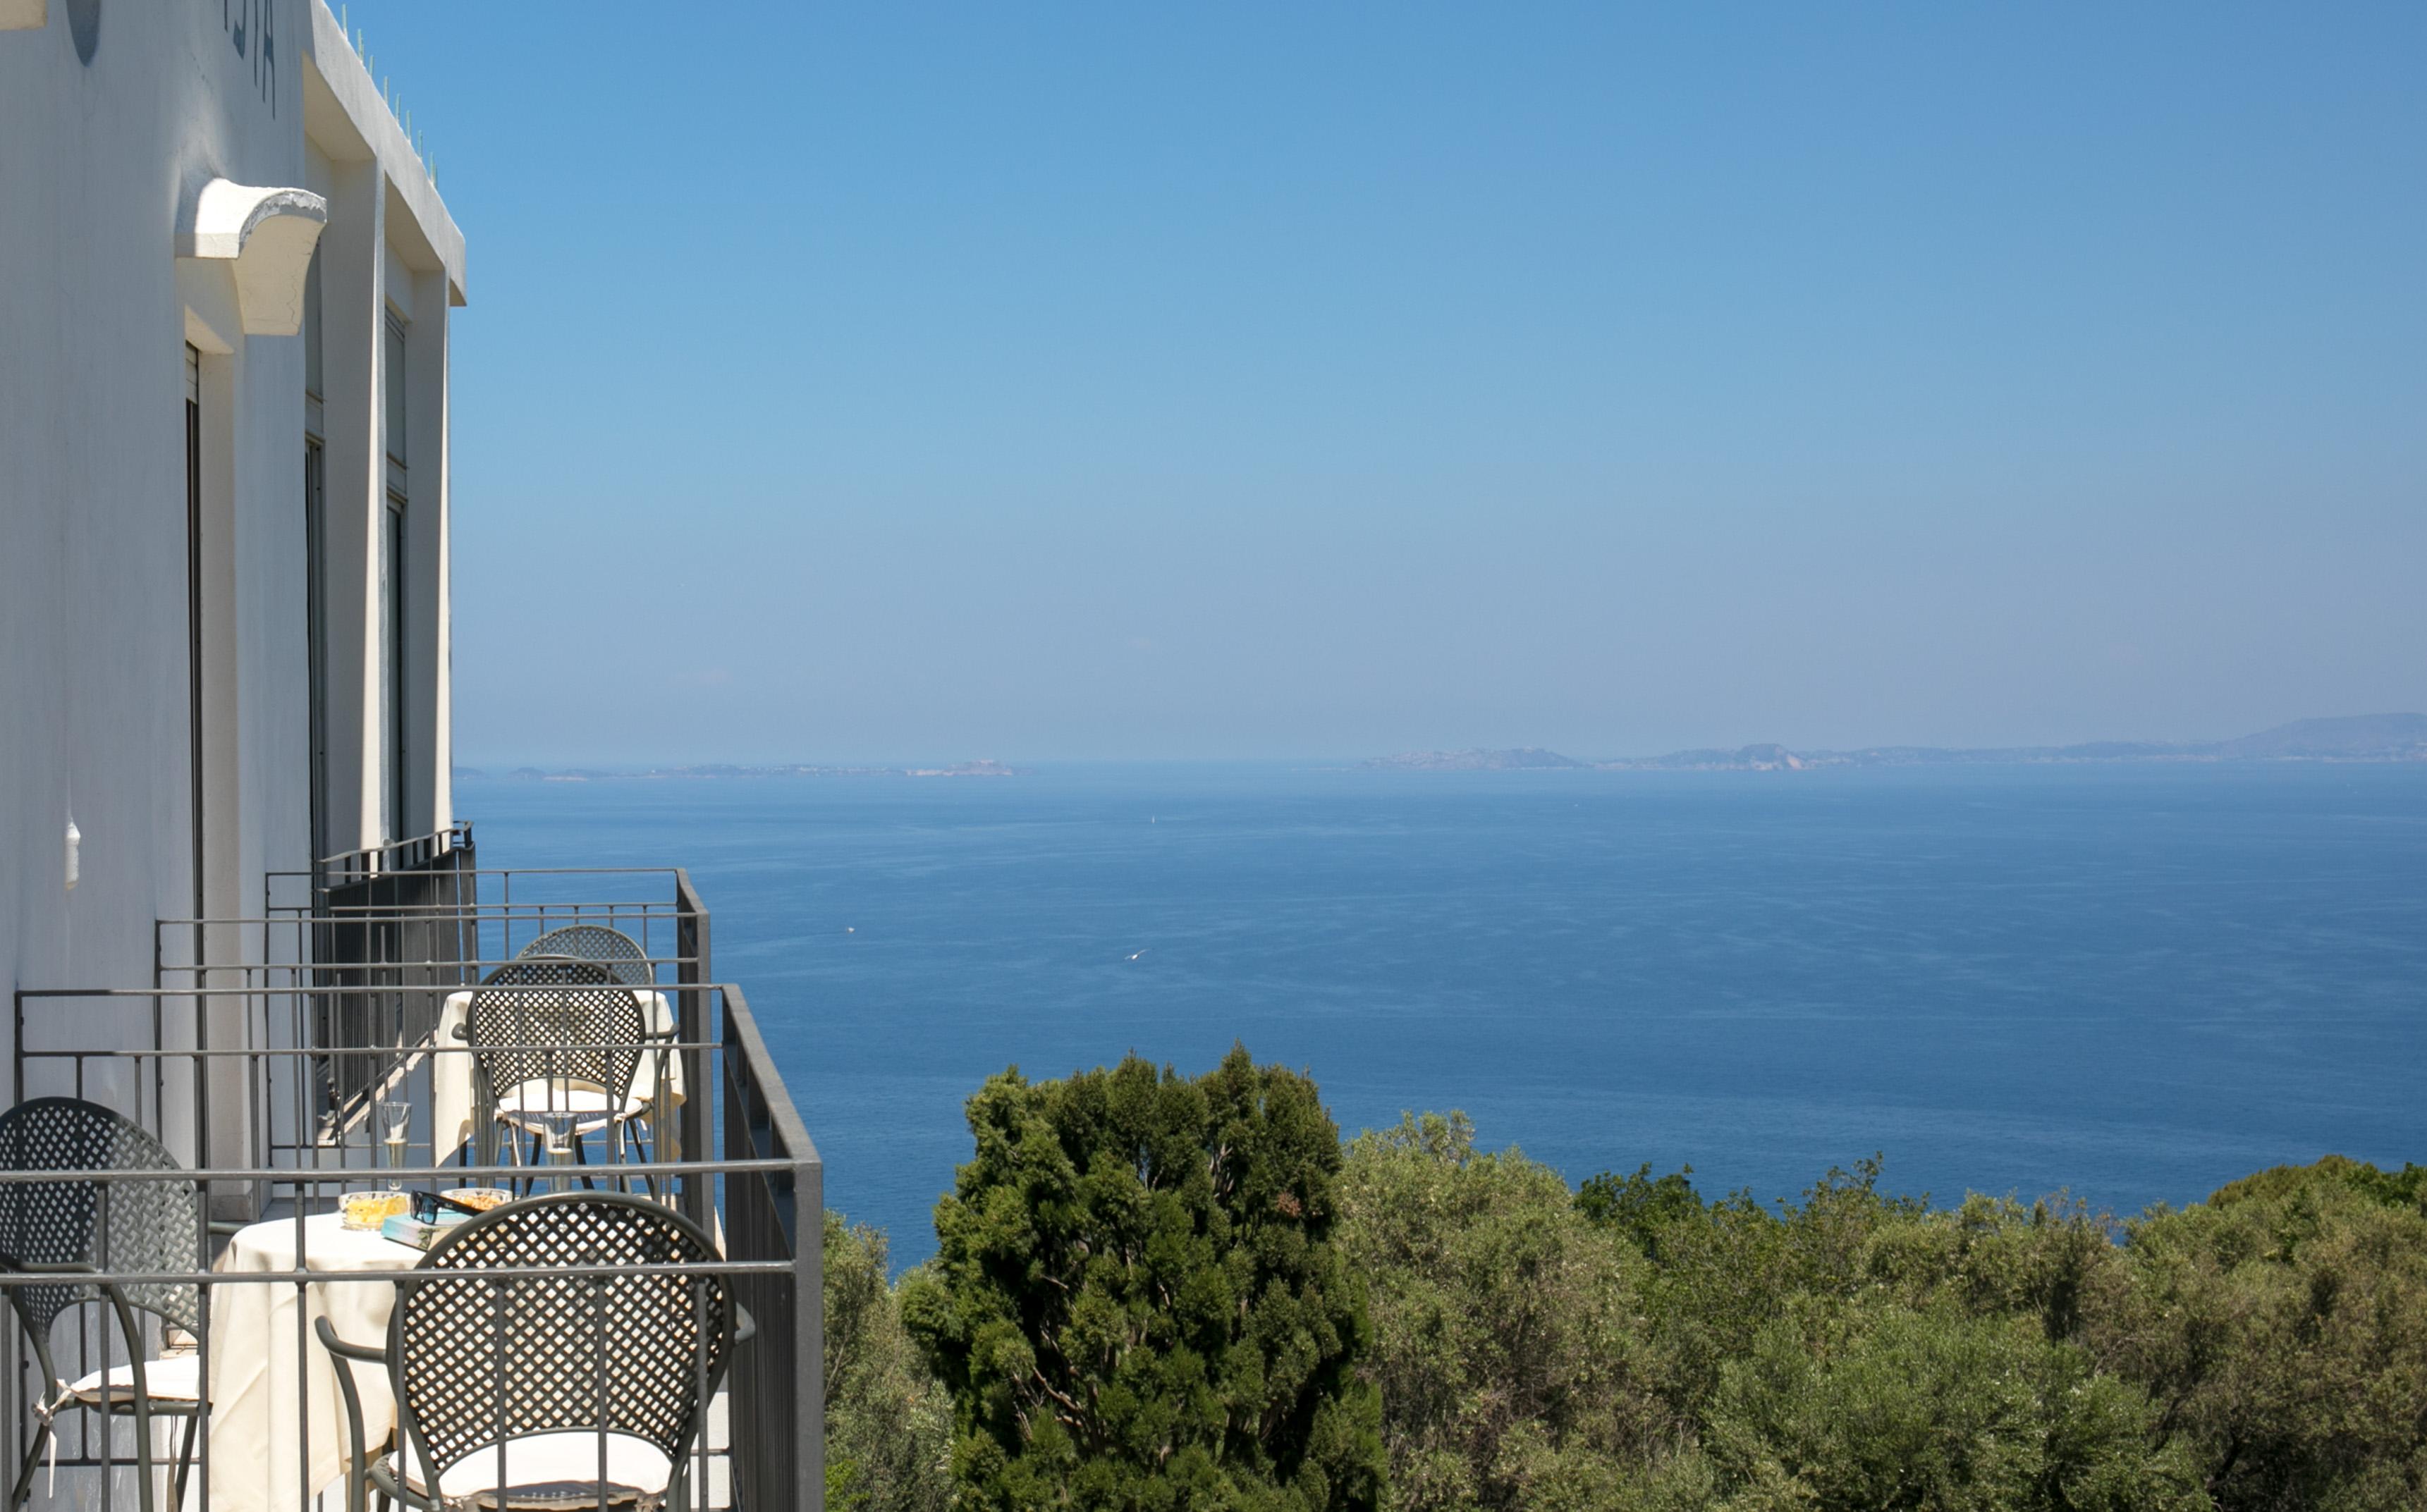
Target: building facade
<point>226,281</point>
<point>244,933</point>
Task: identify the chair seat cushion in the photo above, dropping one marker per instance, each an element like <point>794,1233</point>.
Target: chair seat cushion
<point>171,1378</point>
<point>534,1105</point>
<point>552,1471</point>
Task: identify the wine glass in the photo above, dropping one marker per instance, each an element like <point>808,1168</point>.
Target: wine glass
<point>398,1121</point>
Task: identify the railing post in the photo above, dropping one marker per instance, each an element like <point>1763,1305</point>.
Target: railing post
<point>691,1009</point>
<point>808,1332</point>
<point>778,1407</point>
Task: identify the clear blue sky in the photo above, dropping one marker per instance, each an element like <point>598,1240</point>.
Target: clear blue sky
<point>865,382</point>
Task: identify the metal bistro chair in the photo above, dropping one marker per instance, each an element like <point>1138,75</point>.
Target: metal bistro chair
<point>548,1391</point>
<point>555,1046</point>
<point>619,952</point>
<point>80,1226</point>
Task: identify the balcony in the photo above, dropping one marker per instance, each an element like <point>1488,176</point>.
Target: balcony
<point>341,1042</point>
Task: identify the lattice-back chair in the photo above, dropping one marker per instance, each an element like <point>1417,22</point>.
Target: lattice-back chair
<point>619,952</point>
<point>548,1391</point>
<point>84,1226</point>
<point>557,1045</point>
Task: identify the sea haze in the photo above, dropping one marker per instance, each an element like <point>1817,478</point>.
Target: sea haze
<point>2132,981</point>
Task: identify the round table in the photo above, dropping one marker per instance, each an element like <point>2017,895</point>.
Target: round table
<point>267,1453</point>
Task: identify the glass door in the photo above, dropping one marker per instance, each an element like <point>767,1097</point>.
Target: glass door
<point>194,607</point>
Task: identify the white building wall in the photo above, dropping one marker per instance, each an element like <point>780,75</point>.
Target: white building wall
<point>108,133</point>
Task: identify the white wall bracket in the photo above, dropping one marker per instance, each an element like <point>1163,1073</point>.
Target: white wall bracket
<point>267,234</point>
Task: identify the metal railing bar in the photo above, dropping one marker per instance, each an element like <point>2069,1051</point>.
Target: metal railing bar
<point>220,1278</point>
<point>423,912</point>
<point>390,990</point>
<point>532,872</point>
<point>414,1048</point>
<point>289,1176</point>
<point>742,1025</point>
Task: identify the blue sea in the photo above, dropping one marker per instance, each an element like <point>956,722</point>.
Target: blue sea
<point>2132,983</point>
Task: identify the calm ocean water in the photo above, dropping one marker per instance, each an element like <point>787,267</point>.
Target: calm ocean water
<point>2132,981</point>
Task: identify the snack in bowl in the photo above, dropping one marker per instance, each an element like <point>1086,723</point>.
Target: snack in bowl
<point>478,1198</point>
<point>369,1210</point>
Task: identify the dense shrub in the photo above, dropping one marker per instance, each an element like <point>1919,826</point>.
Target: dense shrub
<point>2282,1329</point>
<point>1893,1406</point>
<point>1506,1348</point>
<point>1156,1292</point>
<point>888,1422</point>
<point>2263,1352</point>
<point>1137,1302</point>
<point>1849,1352</point>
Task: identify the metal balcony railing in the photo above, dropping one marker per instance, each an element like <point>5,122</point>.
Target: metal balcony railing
<point>283,1065</point>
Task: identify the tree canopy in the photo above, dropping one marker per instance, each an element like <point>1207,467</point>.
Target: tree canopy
<point>1137,1301</point>
<point>888,1422</point>
<point>1157,1292</point>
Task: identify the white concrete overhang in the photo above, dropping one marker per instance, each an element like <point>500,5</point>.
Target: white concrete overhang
<point>269,234</point>
<point>22,15</point>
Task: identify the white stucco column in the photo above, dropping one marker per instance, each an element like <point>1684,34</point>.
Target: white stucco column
<point>353,281</point>
<point>428,779</point>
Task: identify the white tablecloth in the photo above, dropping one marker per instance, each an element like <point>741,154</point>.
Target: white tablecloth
<point>451,1102</point>
<point>256,1369</point>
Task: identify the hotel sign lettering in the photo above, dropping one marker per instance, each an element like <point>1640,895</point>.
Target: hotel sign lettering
<point>253,30</point>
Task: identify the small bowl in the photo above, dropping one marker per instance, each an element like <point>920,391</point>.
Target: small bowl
<point>483,1197</point>
<point>364,1212</point>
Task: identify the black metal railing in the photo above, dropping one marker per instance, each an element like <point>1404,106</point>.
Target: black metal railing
<point>351,953</point>
<point>394,915</point>
<point>227,1060</point>
<point>775,1208</point>
<point>418,853</point>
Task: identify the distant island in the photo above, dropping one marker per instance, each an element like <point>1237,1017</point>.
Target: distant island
<point>2350,738</point>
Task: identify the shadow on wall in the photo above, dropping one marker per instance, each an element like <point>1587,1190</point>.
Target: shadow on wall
<point>84,25</point>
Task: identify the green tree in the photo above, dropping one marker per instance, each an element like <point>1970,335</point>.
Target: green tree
<point>1858,1351</point>
<point>2282,1329</point>
<point>888,1424</point>
<point>1724,1271</point>
<point>1138,1302</point>
<point>1505,1345</point>
<point>1896,1407</point>
<point>1639,1206</point>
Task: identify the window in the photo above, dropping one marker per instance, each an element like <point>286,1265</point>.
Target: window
<point>392,391</point>
<point>315,632</point>
<point>393,566</point>
<point>312,367</point>
<point>194,607</point>
<point>316,564</point>
<point>392,622</point>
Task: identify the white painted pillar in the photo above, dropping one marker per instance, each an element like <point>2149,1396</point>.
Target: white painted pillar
<point>353,304</point>
<point>428,782</point>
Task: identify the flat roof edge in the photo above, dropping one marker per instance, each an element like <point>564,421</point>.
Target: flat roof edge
<point>330,54</point>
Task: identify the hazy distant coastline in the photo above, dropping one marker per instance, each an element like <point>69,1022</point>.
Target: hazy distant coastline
<point>2351,738</point>
<point>959,768</point>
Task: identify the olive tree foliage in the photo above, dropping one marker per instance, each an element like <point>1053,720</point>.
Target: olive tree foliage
<point>1859,1351</point>
<point>1157,1293</point>
<point>1506,1351</point>
<point>2282,1329</point>
<point>2263,1352</point>
<point>1633,1348</point>
<point>1892,1407</point>
<point>888,1424</point>
<point>1137,1302</point>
